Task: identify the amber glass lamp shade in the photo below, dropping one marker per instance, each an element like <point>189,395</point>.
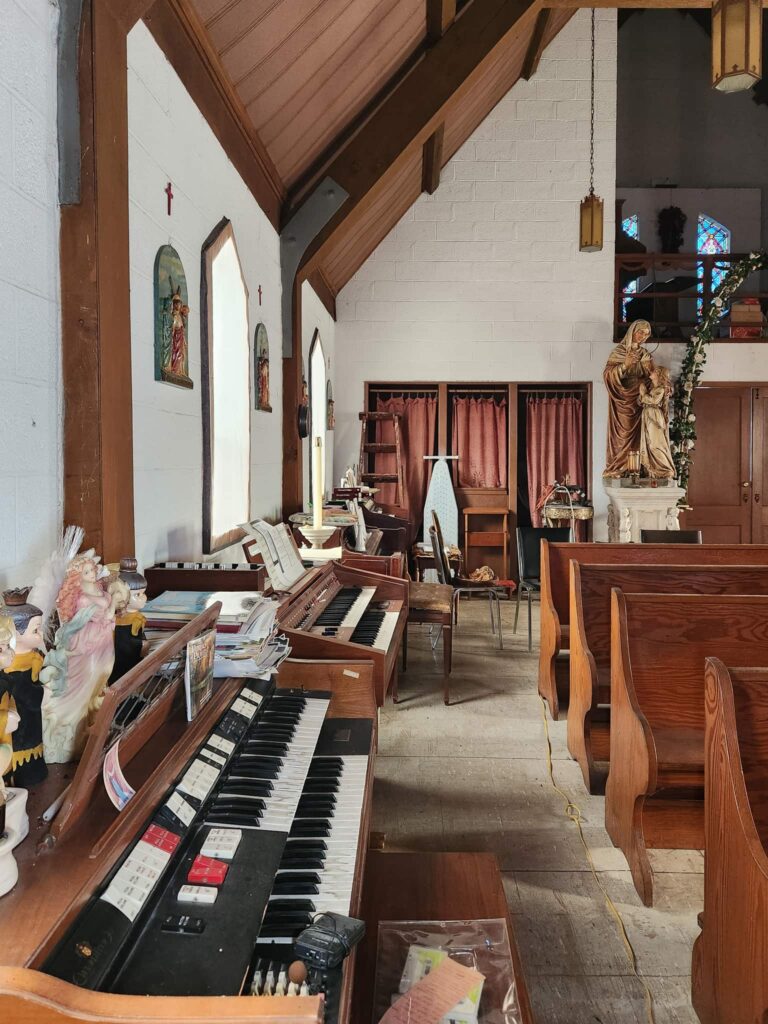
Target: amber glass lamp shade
<point>737,44</point>
<point>591,224</point>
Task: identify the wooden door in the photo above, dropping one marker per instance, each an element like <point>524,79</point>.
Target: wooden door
<point>720,488</point>
<point>759,496</point>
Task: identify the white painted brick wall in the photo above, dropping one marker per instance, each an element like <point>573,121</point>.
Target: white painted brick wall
<point>30,379</point>
<point>484,280</point>
<point>169,140</point>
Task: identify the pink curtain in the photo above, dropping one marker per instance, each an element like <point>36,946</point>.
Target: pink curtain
<point>417,439</point>
<point>479,438</point>
<point>555,445</point>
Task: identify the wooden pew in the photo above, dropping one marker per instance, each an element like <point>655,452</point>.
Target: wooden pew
<point>659,643</point>
<point>555,600</point>
<point>730,957</point>
<point>590,678</point>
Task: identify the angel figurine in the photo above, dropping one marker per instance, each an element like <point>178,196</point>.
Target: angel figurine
<point>77,670</point>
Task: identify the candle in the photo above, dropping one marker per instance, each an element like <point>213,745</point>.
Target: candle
<point>318,483</point>
<point>633,462</point>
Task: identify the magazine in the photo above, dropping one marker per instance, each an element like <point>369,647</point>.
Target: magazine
<point>198,671</point>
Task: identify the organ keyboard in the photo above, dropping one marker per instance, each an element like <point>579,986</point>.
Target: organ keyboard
<point>338,611</point>
<point>246,823</point>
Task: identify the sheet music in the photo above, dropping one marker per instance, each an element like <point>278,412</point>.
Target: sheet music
<point>281,559</point>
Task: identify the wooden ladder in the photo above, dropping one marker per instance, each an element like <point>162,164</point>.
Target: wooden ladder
<point>370,449</point>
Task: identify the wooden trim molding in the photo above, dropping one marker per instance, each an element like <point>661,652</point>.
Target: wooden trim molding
<point>212,246</point>
<point>95,300</point>
<point>440,16</point>
<point>181,36</point>
<point>318,282</point>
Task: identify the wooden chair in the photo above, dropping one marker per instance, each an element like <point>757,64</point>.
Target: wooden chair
<point>463,584</point>
<point>670,536</point>
<point>659,643</point>
<point>555,599</point>
<point>529,540</point>
<point>730,957</point>
<point>431,603</point>
<point>589,712</point>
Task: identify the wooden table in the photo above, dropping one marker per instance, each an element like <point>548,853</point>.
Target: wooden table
<point>423,559</point>
<point>428,887</point>
<point>487,538</point>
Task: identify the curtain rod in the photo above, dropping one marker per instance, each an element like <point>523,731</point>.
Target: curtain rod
<point>554,392</point>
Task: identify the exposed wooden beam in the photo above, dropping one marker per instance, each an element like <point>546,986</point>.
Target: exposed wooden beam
<point>417,107</point>
<point>440,15</point>
<point>318,282</point>
<point>432,161</point>
<point>127,12</point>
<point>536,44</point>
<point>636,4</point>
<point>95,300</point>
<point>182,37</point>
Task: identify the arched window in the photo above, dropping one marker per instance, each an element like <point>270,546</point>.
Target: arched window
<point>317,400</point>
<point>712,238</point>
<point>226,375</point>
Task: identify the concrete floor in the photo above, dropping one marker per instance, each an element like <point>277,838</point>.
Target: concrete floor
<point>473,776</point>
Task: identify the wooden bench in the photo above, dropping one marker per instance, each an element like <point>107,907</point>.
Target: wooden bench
<point>555,600</point>
<point>730,957</point>
<point>590,677</point>
<point>659,643</point>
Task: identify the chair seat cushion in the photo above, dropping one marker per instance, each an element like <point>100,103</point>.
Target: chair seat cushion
<point>679,749</point>
<point>430,597</point>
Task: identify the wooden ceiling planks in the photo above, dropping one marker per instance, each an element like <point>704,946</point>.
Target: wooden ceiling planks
<point>304,69</point>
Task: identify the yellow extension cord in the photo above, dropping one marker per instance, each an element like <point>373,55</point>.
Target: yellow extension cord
<point>573,813</point>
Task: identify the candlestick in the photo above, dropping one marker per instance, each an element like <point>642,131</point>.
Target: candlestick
<point>318,483</point>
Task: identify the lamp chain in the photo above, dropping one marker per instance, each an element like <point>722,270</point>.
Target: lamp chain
<point>592,116</point>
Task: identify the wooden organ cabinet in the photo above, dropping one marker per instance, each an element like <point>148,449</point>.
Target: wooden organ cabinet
<point>94,930</point>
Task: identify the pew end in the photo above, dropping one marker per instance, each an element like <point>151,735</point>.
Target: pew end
<point>730,956</point>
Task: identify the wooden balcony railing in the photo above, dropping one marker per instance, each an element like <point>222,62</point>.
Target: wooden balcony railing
<point>671,290</point>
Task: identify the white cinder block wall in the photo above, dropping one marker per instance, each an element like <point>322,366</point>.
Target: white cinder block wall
<point>315,317</point>
<point>169,140</point>
<point>484,280</point>
<point>31,485</point>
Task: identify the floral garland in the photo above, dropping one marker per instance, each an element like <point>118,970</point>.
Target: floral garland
<point>682,428</point>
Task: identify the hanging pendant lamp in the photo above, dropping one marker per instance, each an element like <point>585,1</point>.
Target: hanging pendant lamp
<point>591,212</point>
<point>737,44</point>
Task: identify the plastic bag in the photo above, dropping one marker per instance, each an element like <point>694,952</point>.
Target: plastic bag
<point>482,945</point>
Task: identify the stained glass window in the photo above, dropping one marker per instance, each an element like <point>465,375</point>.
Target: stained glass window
<point>712,238</point>
<point>630,226</point>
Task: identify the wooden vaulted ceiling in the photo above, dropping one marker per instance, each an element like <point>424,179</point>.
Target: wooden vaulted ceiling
<point>341,87</point>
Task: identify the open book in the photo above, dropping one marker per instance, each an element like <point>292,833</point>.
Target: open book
<point>277,548</point>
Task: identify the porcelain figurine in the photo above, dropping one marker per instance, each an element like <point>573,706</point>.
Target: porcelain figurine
<point>76,671</point>
<point>129,621</point>
<point>9,718</point>
<point>22,679</point>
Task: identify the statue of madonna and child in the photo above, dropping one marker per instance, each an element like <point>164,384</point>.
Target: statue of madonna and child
<point>638,408</point>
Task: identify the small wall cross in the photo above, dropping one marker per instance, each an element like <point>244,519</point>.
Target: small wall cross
<point>169,192</point>
<point>259,294</point>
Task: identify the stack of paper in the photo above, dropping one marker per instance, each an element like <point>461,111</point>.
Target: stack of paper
<point>241,611</point>
<point>278,550</point>
<point>240,657</point>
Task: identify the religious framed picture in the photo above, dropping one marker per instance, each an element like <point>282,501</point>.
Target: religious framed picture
<point>261,368</point>
<point>330,416</point>
<point>171,319</point>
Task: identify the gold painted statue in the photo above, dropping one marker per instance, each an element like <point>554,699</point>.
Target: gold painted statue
<point>638,408</point>
<point>655,451</point>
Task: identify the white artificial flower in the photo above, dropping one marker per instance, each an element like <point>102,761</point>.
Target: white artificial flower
<point>691,418</point>
<point>717,302</point>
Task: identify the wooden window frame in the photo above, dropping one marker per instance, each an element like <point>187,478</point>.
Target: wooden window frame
<point>212,246</point>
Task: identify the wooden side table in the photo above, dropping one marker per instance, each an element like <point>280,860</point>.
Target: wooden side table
<point>486,538</point>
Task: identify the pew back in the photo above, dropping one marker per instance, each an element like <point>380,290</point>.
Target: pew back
<point>750,701</point>
<point>592,584</point>
<point>665,640</point>
<point>556,558</point>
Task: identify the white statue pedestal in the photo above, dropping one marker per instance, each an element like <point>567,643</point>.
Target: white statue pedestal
<point>632,509</point>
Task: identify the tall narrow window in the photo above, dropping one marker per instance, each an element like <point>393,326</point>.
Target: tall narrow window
<point>712,238</point>
<point>317,400</point>
<point>630,226</point>
<point>226,391</point>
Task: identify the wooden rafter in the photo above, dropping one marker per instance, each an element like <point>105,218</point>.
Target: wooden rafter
<point>536,44</point>
<point>321,287</point>
<point>440,16</point>
<point>181,35</point>
<point>432,161</point>
<point>416,108</point>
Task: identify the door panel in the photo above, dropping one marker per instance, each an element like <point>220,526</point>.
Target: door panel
<point>721,503</point>
<point>760,466</point>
